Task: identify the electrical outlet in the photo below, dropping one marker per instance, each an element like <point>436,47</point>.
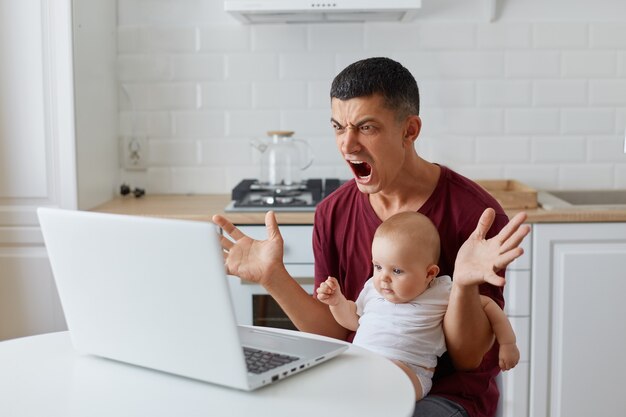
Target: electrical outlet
<point>134,153</point>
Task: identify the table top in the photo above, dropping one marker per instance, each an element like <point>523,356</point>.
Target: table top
<point>44,375</point>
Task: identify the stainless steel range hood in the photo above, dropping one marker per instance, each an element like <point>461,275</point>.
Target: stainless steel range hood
<point>314,11</point>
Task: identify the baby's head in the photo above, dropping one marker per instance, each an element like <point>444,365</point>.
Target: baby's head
<point>405,252</point>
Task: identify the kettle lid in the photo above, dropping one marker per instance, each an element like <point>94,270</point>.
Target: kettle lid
<point>287,133</point>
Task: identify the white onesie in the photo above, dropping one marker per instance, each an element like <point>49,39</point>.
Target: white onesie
<point>410,332</point>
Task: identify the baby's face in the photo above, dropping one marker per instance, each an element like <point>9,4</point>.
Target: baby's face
<point>401,272</point>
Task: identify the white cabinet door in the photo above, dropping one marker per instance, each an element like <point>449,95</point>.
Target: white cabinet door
<point>36,156</point>
<point>578,333</point>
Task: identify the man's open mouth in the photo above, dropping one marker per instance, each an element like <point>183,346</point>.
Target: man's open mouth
<point>361,169</point>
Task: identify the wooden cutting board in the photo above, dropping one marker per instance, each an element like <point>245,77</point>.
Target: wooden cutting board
<point>511,194</point>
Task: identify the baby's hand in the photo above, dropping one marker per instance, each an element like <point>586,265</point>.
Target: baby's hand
<point>508,356</point>
<point>329,293</point>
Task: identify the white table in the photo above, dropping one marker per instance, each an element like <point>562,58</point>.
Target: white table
<point>43,376</point>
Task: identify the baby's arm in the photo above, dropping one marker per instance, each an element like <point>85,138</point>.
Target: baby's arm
<point>509,354</point>
<point>343,310</point>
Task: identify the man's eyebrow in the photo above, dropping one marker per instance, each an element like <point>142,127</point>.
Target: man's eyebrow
<point>359,123</point>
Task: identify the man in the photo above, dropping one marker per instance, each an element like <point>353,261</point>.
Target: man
<point>375,115</point>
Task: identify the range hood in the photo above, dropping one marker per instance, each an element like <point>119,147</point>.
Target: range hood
<point>315,11</point>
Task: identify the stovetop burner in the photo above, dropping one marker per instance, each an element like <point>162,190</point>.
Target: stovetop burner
<point>251,195</point>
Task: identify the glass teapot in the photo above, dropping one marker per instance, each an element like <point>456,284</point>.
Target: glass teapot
<point>283,158</point>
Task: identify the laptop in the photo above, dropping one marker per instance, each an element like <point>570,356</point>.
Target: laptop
<point>154,293</point>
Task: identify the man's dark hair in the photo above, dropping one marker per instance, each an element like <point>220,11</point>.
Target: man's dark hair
<point>382,76</point>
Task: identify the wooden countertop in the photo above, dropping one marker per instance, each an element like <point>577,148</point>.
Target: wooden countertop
<point>203,207</point>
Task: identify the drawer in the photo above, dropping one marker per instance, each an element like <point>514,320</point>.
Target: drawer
<point>517,293</point>
<point>523,262</point>
<point>298,241</point>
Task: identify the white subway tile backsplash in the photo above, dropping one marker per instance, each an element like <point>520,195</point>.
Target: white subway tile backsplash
<point>164,39</point>
<point>173,153</point>
<point>423,65</point>
<point>588,176</point>
<point>541,101</point>
<point>199,124</point>
<point>465,64</point>
<point>532,64</point>
<point>325,151</point>
<point>270,38</point>
<point>308,67</point>
<point>537,176</point>
<point>447,35</point>
<point>491,149</point>
<point>478,172</point>
<point>151,124</point>
<point>307,122</point>
<point>197,67</point>
<point>588,121</point>
<point>620,176</point>
<point>318,94</point>
<point>468,121</point>
<point>589,64</point>
<point>275,95</point>
<point>226,152</point>
<point>159,12</point>
<point>198,180</point>
<point>158,180</point>
<point>606,149</point>
<point>447,93</point>
<point>510,93</point>
<point>621,64</point>
<point>379,36</point>
<point>452,150</point>
<point>608,34</point>
<point>434,121</point>
<point>229,95</point>
<point>325,37</point>
<point>143,68</point>
<point>607,92</point>
<point>558,149</point>
<point>252,123</point>
<point>224,38</point>
<point>504,35</point>
<point>554,93</point>
<point>252,67</point>
<point>532,121</point>
<point>557,35</point>
<point>158,96</point>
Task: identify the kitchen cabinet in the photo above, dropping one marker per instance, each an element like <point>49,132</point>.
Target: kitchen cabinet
<point>578,335</point>
<point>514,392</point>
<point>51,151</point>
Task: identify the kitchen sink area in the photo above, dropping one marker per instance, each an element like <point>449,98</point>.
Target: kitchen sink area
<point>614,199</point>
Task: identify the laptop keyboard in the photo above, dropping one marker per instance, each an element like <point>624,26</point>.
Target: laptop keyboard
<point>259,361</point>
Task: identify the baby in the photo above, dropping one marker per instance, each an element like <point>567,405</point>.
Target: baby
<point>399,313</point>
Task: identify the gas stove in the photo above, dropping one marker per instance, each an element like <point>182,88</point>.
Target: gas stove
<point>251,195</point>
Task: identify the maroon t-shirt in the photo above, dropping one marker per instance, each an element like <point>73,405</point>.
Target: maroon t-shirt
<point>344,228</point>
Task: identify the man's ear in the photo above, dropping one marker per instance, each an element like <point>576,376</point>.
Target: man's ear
<point>412,128</point>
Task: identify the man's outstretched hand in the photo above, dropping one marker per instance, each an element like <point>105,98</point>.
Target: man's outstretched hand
<point>479,259</point>
<point>250,259</point>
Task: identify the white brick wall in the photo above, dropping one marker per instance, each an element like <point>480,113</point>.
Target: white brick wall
<point>539,100</point>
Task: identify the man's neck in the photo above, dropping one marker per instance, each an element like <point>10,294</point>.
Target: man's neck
<point>409,192</point>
